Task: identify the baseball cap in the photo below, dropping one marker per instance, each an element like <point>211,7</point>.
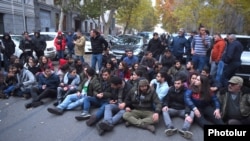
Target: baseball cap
<point>236,80</point>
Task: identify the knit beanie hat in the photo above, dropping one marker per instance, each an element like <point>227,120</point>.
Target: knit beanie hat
<point>143,82</point>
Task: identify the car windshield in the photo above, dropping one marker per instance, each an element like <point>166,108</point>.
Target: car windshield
<point>128,41</point>
<point>245,42</point>
<point>17,37</point>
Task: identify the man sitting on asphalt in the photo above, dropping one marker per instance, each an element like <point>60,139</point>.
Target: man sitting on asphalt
<point>47,86</point>
<point>116,108</point>
<point>86,88</point>
<point>99,99</point>
<point>142,106</point>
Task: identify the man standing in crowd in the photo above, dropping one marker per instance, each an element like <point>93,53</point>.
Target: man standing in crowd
<point>40,44</point>
<point>60,43</point>
<point>155,46</point>
<point>79,46</point>
<point>178,44</point>
<point>69,39</point>
<point>199,47</point>
<point>216,55</point>
<point>26,45</point>
<point>8,49</point>
<point>231,59</point>
<point>98,44</point>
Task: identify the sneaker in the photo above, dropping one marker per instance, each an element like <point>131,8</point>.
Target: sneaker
<point>36,104</point>
<point>99,129</point>
<point>127,124</point>
<point>56,111</point>
<point>28,105</point>
<point>186,134</point>
<point>83,116</point>
<point>92,120</point>
<point>170,131</point>
<point>151,128</point>
<point>106,126</point>
<point>55,103</point>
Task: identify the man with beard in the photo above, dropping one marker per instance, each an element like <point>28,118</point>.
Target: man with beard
<point>160,84</point>
<point>26,80</point>
<point>142,107</point>
<point>130,59</point>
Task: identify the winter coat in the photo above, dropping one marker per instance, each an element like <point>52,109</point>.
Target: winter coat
<point>218,50</point>
<point>98,44</point>
<point>8,46</point>
<point>60,41</point>
<point>148,101</point>
<point>80,46</point>
<point>39,42</point>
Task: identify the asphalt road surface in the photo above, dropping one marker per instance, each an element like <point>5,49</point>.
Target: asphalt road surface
<point>36,124</point>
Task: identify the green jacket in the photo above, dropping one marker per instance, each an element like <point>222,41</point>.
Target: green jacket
<point>148,101</point>
<point>244,104</point>
<point>94,86</point>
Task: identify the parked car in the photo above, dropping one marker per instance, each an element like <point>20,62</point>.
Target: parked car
<point>18,52</point>
<point>147,35</point>
<point>88,48</point>
<point>50,50</point>
<point>134,43</point>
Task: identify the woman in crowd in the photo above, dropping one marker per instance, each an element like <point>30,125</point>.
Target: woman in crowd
<point>203,102</point>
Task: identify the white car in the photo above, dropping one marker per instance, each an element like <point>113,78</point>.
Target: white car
<point>88,48</point>
<point>16,39</point>
<point>50,50</point>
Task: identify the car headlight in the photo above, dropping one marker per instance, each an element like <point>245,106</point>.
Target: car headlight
<point>137,51</point>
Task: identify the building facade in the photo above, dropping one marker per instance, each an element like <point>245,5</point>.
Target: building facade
<point>17,16</point>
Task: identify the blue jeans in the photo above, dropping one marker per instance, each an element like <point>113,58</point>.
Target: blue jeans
<point>71,50</point>
<point>96,58</point>
<point>228,71</point>
<point>61,94</point>
<point>71,101</point>
<point>176,113</point>
<point>9,89</point>
<point>97,102</point>
<point>60,54</point>
<point>80,57</point>
<point>219,72</point>
<point>200,61</point>
<point>112,113</point>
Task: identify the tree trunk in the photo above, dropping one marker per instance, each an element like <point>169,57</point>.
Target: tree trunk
<point>60,26</point>
<point>108,23</point>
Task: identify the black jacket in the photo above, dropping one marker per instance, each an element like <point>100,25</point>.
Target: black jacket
<point>9,46</point>
<point>98,44</point>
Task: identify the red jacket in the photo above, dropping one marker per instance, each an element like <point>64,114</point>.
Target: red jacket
<point>218,50</point>
<point>60,41</point>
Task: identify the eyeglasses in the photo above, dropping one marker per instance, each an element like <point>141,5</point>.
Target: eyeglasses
<point>233,84</point>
